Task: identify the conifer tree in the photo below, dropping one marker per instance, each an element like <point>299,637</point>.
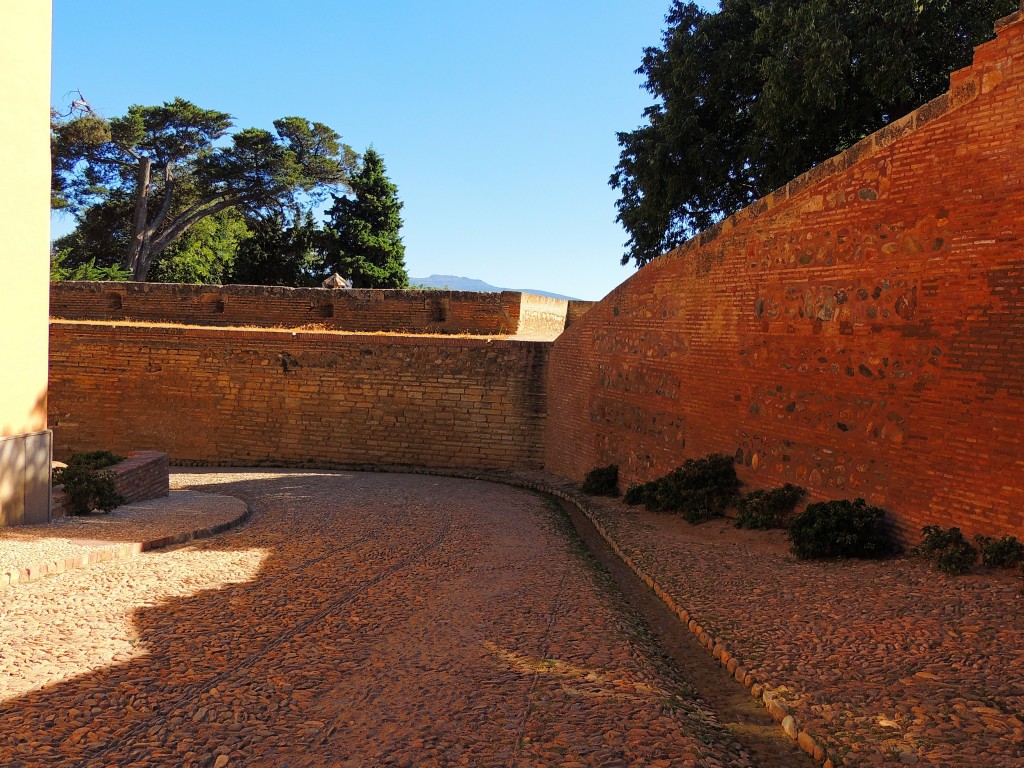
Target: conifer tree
<point>363,241</point>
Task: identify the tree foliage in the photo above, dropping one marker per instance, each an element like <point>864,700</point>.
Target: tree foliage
<point>279,252</point>
<point>363,239</point>
<point>751,96</point>
<point>158,171</point>
<point>206,253</point>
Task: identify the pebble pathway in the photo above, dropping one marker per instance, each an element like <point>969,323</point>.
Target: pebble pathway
<point>356,620</point>
<point>886,663</point>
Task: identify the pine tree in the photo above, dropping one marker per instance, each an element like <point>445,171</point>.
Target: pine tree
<point>363,239</point>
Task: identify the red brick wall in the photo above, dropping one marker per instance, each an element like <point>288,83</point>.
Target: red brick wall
<point>859,332</point>
<point>366,311</point>
<point>248,397</point>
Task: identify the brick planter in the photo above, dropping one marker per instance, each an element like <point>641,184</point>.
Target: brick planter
<point>143,475</point>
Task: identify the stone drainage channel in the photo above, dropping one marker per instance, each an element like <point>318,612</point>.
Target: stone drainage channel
<point>744,717</point>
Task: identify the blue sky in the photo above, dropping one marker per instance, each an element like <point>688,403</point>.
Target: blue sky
<point>497,121</point>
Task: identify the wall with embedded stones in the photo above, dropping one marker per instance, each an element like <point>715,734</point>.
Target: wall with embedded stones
<point>859,332</point>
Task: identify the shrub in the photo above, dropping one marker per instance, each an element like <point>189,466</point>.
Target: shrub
<point>88,460</point>
<point>636,494</point>
<point>769,509</point>
<point>88,490</point>
<point>603,481</point>
<point>840,528</point>
<point>86,487</point>
<point>1004,552</point>
<point>947,549</point>
<point>700,489</point>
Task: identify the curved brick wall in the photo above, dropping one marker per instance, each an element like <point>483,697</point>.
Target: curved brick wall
<point>860,332</point>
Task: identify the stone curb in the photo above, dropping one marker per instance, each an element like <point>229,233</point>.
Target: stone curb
<point>120,551</point>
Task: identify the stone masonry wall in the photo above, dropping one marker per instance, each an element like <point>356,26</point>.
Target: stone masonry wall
<point>366,311</point>
<point>230,396</point>
<point>859,332</point>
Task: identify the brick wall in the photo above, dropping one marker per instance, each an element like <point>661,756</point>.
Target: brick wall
<point>859,332</point>
<point>142,475</point>
<point>463,312</point>
<point>261,396</point>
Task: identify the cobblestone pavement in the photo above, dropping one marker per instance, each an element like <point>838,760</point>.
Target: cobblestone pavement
<point>356,620</point>
<point>886,663</point>
<point>28,552</point>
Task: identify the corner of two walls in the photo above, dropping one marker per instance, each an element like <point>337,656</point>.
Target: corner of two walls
<point>858,332</point>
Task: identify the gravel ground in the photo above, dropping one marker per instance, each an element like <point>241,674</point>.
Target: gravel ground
<point>27,546</point>
<point>356,620</point>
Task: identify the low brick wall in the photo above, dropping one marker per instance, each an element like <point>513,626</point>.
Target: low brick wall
<point>220,395</point>
<point>359,311</point>
<point>143,475</point>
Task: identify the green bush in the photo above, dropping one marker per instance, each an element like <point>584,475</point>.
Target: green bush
<point>1004,552</point>
<point>86,487</point>
<point>840,528</point>
<point>636,494</point>
<point>88,460</point>
<point>88,490</point>
<point>769,509</point>
<point>700,489</point>
<point>947,549</point>
<point>603,481</point>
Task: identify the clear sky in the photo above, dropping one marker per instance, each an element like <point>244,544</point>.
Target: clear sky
<point>496,120</point>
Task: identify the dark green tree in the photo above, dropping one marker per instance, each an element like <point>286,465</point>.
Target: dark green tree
<point>280,252</point>
<point>362,238</point>
<point>751,96</point>
<point>161,170</point>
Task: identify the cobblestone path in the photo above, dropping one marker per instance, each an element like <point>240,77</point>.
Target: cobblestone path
<point>357,620</point>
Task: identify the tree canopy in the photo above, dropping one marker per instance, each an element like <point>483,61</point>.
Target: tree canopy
<point>362,235</point>
<point>143,180</point>
<point>751,96</point>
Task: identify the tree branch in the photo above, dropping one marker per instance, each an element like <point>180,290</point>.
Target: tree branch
<point>169,236</point>
<point>168,194</point>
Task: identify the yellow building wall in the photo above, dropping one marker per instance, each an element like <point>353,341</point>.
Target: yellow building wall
<point>24,257</point>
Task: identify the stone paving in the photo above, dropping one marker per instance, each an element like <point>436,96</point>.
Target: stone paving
<point>30,552</point>
<point>355,620</point>
<point>885,663</point>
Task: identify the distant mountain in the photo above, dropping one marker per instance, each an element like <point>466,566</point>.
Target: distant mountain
<point>455,283</point>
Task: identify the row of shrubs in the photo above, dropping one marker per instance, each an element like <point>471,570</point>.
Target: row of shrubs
<point>706,487</point>
<point>950,552</point>
<point>87,487</point>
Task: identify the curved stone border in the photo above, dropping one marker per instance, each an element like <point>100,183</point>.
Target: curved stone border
<point>117,551</point>
<point>761,690</point>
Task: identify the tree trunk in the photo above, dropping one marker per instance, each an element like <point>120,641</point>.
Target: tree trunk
<point>136,262</point>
